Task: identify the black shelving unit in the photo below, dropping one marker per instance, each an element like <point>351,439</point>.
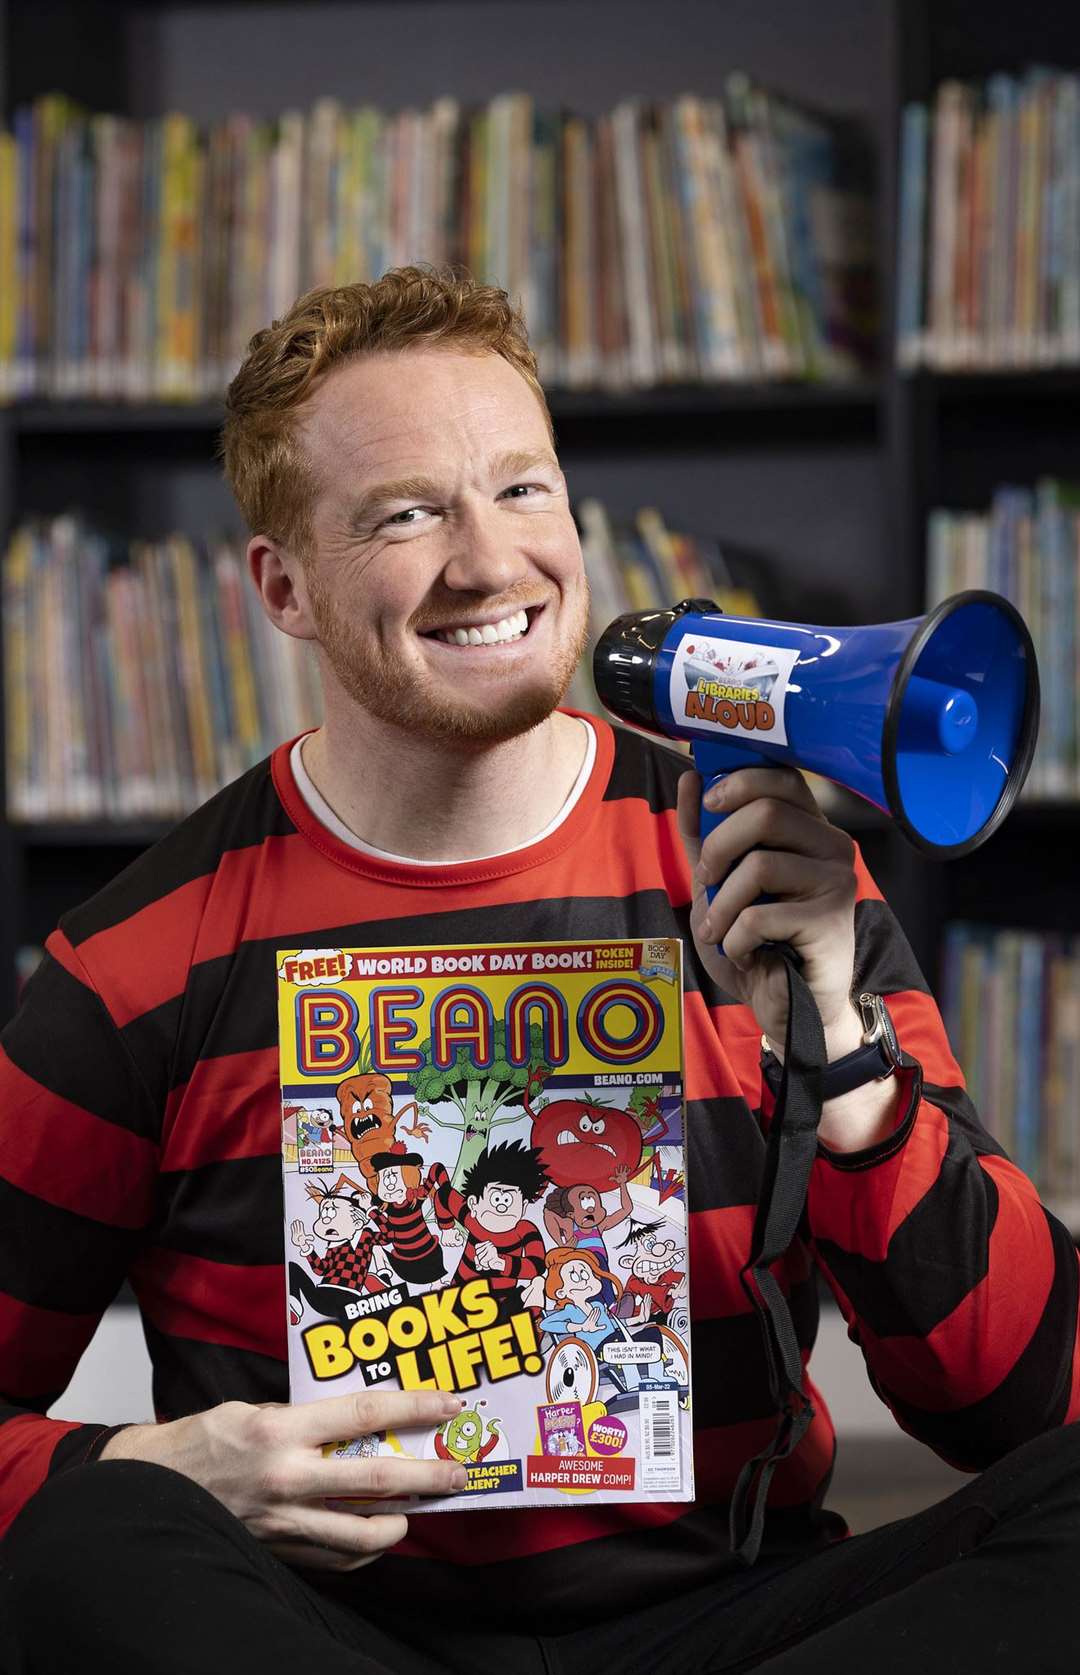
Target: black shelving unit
<point>837,482</point>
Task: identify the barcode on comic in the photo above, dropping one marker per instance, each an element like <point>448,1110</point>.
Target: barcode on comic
<point>660,1464</point>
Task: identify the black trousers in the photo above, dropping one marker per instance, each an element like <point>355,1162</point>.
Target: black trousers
<point>133,1569</point>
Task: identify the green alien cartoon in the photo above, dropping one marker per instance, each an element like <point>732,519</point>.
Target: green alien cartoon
<point>462,1438</point>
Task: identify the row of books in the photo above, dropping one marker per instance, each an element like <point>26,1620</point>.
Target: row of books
<point>139,676</point>
<point>142,676</point>
<point>707,238</point>
<point>1026,547</point>
<point>1011,1003</point>
<point>989,239</point>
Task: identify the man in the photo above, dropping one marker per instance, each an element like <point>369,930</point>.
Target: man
<point>392,453</point>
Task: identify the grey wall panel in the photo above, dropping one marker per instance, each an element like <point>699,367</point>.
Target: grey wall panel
<point>211,59</point>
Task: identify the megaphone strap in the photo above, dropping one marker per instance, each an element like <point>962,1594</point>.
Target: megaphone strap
<point>789,1156</point>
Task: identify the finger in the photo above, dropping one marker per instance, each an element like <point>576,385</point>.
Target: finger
<point>772,825</point>
<point>774,872</point>
<point>688,809</point>
<point>384,1476</point>
<point>771,922</point>
<point>318,1558</point>
<point>324,1540</point>
<point>745,784</point>
<point>357,1415</point>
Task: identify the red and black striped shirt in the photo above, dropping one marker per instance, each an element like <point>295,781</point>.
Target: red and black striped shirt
<point>520,1248</point>
<point>401,1228</point>
<point>140,1127</point>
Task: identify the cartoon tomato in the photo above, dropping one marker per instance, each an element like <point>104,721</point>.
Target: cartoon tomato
<point>582,1144</point>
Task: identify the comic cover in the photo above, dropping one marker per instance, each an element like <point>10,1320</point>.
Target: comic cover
<point>484,1177</point>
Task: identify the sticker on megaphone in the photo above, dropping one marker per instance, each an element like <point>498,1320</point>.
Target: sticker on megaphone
<point>734,689</point>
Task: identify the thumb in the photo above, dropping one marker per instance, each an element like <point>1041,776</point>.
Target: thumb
<point>689,815</point>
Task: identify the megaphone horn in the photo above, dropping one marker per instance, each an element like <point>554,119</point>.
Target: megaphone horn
<point>932,720</point>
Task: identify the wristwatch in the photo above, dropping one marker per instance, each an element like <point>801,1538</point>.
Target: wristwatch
<point>878,1057</point>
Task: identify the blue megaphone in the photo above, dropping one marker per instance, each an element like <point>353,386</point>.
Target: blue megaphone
<point>933,720</point>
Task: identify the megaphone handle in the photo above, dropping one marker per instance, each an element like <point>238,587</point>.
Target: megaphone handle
<point>714,762</point>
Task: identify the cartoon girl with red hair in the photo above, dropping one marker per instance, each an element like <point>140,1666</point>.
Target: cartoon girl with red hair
<point>575,1279</point>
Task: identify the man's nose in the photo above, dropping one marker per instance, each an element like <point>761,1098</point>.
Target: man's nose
<point>485,558</point>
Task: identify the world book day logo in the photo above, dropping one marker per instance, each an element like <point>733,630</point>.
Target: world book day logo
<point>731,688</point>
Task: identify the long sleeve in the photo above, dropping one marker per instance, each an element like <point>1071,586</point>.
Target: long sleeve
<point>450,1205</point>
<point>78,1164</point>
<point>960,1288</point>
<point>527,1260</point>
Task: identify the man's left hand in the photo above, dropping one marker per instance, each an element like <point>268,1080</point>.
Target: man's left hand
<point>774,841</point>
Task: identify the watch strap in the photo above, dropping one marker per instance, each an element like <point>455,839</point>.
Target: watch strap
<point>875,1059</point>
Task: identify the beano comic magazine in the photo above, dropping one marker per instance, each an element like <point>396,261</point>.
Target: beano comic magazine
<point>485,1192</point>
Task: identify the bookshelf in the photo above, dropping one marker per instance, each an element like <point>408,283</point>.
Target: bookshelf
<point>837,482</point>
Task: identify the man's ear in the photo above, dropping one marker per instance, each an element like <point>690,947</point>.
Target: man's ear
<point>282,587</point>
<point>472,1202</point>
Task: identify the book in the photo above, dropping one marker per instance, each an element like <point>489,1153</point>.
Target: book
<point>652,243</point>
<point>484,1192</point>
<point>991,276</point>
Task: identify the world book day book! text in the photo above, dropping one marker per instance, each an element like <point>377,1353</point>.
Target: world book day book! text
<point>485,1192</point>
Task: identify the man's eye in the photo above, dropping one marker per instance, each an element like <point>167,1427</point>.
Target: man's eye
<point>395,517</point>
<point>513,489</point>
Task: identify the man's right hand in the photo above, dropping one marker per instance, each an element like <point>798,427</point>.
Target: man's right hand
<point>264,1462</point>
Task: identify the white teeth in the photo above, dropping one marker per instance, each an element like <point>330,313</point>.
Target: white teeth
<point>491,633</point>
<point>567,1138</point>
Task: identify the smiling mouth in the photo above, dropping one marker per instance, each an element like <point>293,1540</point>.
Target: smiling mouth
<point>500,631</point>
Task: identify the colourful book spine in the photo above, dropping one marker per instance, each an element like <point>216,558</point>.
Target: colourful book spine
<point>192,656</point>
<point>165,735</point>
<point>911,293</point>
<point>18,734</point>
<point>769,169</point>
<point>1002,94</point>
<point>238,658</point>
<point>542,306</point>
<point>9,261</point>
<point>658,249</point>
<point>1026,227</point>
<point>948,106</point>
<point>478,257</point>
<point>1070,223</point>
<point>633,234</point>
<point>446,144</point>
<point>24,370</point>
<point>677,236</point>
<point>580,340</point>
<point>701,160</point>
<point>612,325</point>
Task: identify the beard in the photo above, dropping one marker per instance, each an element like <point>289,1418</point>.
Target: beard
<point>385,688</point>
